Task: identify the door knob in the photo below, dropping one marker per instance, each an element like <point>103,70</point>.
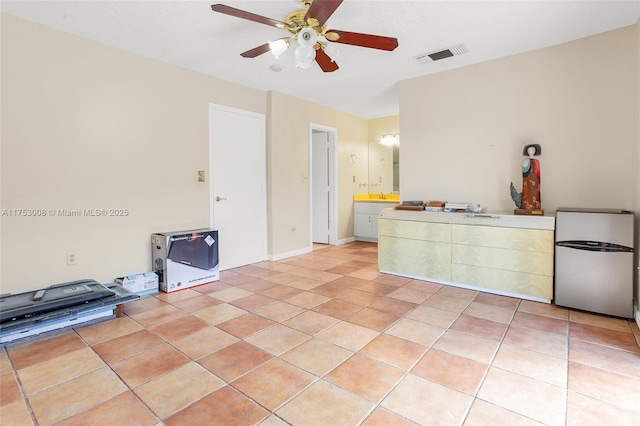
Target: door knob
<point>219,198</point>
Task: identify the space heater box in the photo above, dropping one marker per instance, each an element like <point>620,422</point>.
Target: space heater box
<point>185,259</point>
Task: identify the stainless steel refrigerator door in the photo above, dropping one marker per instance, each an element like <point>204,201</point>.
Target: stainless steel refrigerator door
<point>603,227</point>
<point>594,281</point>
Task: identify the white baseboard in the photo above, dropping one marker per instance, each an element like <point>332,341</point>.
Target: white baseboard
<point>367,240</point>
<point>280,256</point>
<point>346,240</point>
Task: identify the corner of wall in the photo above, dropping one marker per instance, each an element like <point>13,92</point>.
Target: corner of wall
<point>636,177</point>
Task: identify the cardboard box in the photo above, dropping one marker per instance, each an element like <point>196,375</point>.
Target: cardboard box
<point>119,310</point>
<point>185,259</point>
<point>141,284</point>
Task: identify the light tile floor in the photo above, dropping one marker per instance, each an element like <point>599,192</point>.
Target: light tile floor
<point>325,339</point>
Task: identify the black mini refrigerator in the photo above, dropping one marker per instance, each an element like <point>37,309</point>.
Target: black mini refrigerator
<point>594,260</point>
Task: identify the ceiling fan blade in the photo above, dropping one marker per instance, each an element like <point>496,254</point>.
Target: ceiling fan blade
<point>228,10</point>
<point>325,62</point>
<point>362,40</point>
<point>321,10</point>
<point>256,51</point>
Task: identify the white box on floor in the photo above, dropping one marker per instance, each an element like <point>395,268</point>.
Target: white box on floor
<point>141,284</point>
<point>185,259</point>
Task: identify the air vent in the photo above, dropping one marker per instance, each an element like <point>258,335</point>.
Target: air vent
<point>456,50</point>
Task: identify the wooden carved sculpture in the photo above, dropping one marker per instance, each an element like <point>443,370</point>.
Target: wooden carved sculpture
<point>528,201</point>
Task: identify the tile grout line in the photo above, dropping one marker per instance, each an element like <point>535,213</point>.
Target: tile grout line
<point>317,379</point>
<point>23,393</point>
<point>129,388</point>
<point>228,383</point>
<point>322,377</point>
<point>490,365</point>
<point>406,373</point>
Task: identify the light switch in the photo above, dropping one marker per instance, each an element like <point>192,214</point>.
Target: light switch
<point>200,175</point>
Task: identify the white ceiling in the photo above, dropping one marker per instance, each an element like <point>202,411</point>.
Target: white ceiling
<point>190,35</point>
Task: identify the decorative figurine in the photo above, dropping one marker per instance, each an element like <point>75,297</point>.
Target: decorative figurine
<point>528,201</point>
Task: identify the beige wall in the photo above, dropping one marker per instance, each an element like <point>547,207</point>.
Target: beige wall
<point>380,156</point>
<point>288,169</point>
<point>85,126</point>
<point>463,130</point>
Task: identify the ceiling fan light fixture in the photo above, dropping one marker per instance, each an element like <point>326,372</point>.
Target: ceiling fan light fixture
<point>305,56</point>
<point>307,27</point>
<point>307,37</point>
<point>278,47</point>
<point>332,51</point>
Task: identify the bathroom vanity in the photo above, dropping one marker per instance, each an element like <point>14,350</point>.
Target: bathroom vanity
<point>366,210</point>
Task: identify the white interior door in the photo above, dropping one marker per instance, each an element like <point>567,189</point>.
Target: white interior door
<point>320,186</point>
<point>323,186</point>
<point>238,185</point>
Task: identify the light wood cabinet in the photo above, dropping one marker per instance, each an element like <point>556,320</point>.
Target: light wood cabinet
<point>415,248</point>
<point>469,252</point>
<point>533,240</point>
<point>423,231</point>
<point>504,259</point>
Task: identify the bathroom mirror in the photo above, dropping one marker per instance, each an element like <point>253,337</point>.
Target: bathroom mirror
<point>383,161</point>
<point>383,169</point>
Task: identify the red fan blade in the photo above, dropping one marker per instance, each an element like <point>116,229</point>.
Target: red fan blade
<point>227,10</point>
<point>362,40</point>
<point>321,10</point>
<point>325,62</point>
<point>256,51</point>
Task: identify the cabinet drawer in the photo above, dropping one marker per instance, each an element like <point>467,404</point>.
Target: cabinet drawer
<point>508,238</point>
<point>509,260</point>
<point>440,232</point>
<point>436,252</point>
<point>424,268</point>
<point>540,286</point>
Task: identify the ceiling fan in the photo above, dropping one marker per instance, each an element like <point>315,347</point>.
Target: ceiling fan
<point>307,27</point>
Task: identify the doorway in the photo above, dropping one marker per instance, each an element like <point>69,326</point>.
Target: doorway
<point>322,151</point>
<point>237,187</point>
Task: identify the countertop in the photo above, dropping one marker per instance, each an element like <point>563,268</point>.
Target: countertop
<point>502,219</point>
<point>376,198</point>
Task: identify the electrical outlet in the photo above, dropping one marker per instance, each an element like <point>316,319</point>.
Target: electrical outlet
<point>72,259</point>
